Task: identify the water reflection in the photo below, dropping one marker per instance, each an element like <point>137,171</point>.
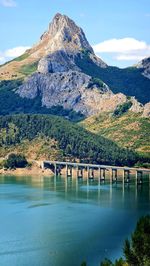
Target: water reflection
<point>84,188</point>
<point>56,220</point>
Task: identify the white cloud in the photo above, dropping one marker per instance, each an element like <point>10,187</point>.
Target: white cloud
<point>17,51</point>
<point>12,53</point>
<point>128,49</point>
<point>129,57</point>
<point>120,45</point>
<point>8,3</point>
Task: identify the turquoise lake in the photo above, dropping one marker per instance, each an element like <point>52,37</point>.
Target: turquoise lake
<point>62,221</point>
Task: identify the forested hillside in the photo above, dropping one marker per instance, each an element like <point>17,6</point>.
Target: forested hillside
<point>72,139</point>
<point>129,81</point>
<point>128,130</point>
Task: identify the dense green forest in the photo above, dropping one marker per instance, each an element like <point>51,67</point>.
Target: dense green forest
<point>12,103</point>
<point>72,139</point>
<point>129,81</point>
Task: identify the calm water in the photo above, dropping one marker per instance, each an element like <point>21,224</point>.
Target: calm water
<point>59,221</point>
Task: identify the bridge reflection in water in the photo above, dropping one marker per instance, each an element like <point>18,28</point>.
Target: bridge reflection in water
<point>105,193</point>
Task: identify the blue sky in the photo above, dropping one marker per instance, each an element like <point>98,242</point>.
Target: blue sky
<point>118,30</point>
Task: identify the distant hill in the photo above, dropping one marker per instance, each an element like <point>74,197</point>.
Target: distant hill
<point>129,130</point>
<point>70,140</point>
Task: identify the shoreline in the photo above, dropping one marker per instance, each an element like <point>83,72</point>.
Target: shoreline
<point>28,171</point>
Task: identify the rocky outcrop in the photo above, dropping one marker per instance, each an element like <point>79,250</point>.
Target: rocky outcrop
<point>72,91</point>
<point>59,61</point>
<point>136,106</point>
<point>145,66</point>
<point>146,111</point>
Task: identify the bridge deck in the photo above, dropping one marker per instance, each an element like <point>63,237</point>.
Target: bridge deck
<point>98,166</point>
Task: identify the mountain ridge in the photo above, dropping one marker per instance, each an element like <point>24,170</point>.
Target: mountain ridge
<point>55,73</point>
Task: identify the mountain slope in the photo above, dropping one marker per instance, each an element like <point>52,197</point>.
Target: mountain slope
<point>129,81</point>
<point>129,130</point>
<point>72,139</point>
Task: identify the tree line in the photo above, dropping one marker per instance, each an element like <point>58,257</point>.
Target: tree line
<point>74,140</point>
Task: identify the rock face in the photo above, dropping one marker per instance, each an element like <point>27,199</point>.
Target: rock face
<point>136,106</point>
<point>145,65</point>
<point>146,112</point>
<point>72,91</point>
<point>58,61</point>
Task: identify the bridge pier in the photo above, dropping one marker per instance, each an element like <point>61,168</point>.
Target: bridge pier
<point>91,173</point>
<point>102,174</point>
<point>88,172</point>
<point>113,175</point>
<point>68,171</point>
<point>55,169</point>
<point>80,173</point>
<point>139,177</point>
<point>126,176</point>
<point>42,165</point>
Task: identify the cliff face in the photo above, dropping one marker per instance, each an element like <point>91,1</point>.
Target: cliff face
<point>72,90</point>
<point>145,66</point>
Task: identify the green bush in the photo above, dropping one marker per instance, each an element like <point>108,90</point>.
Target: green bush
<point>96,82</point>
<point>15,161</point>
<point>123,108</point>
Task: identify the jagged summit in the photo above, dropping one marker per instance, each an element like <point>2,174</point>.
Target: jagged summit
<point>65,36</point>
<point>62,35</point>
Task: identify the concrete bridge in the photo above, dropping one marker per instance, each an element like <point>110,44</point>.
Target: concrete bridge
<point>79,170</point>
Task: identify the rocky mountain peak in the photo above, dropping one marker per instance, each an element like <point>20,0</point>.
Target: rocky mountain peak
<point>64,34</point>
<point>61,44</point>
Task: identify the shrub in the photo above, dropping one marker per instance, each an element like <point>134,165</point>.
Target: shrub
<point>95,82</point>
<point>123,108</point>
<point>15,161</point>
